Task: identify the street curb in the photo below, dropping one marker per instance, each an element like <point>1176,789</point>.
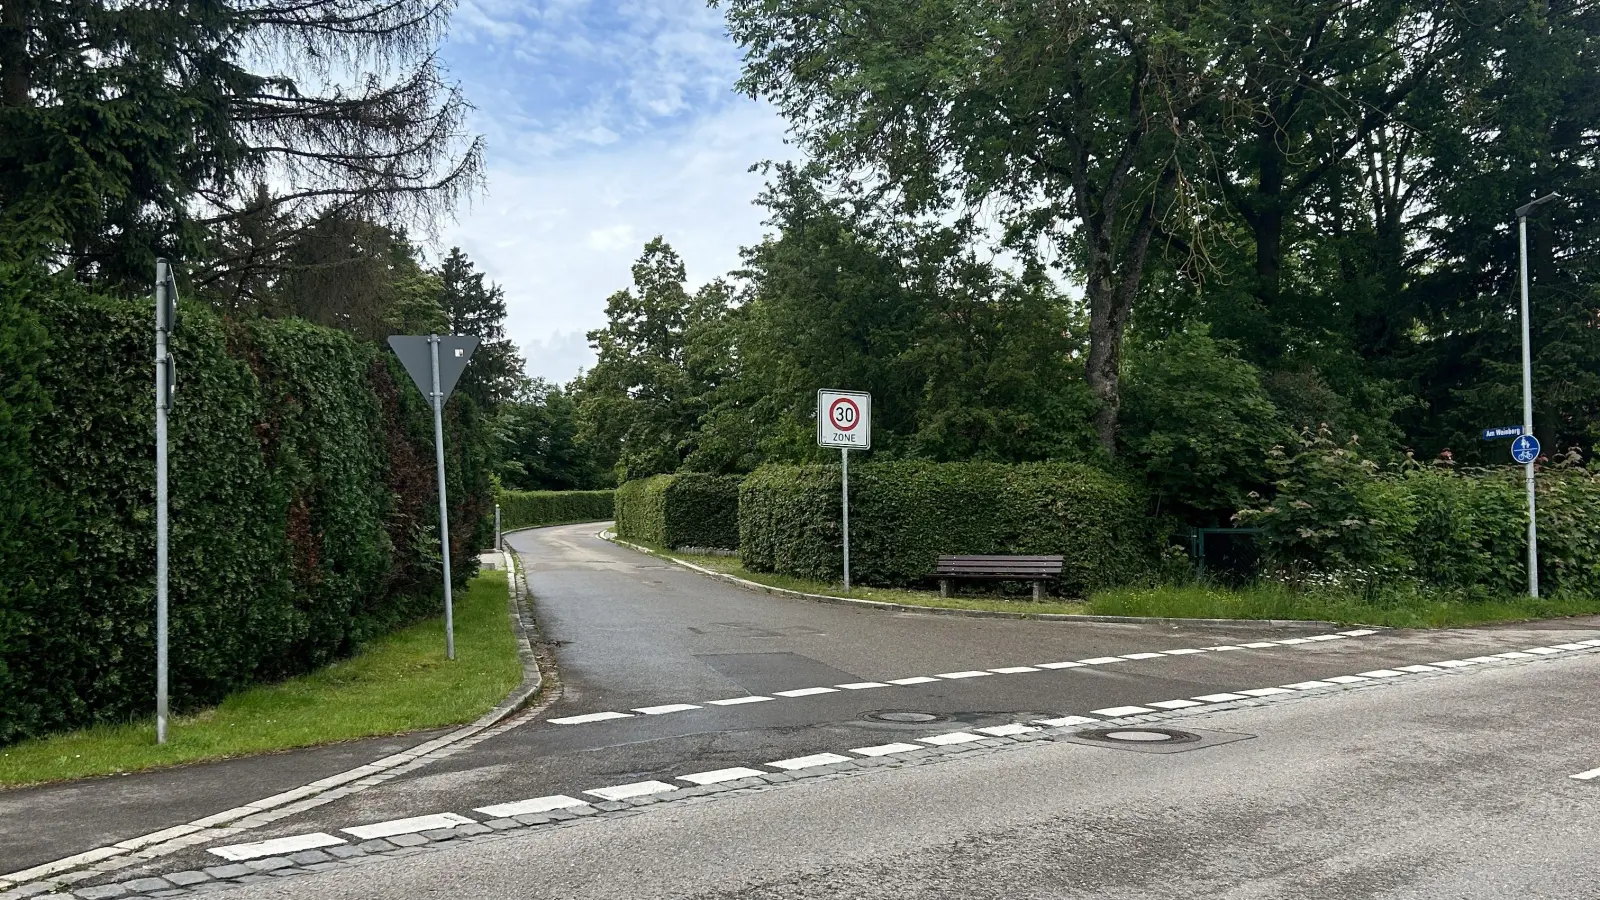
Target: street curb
<point>1307,625</point>
<point>100,860</point>
<point>532,677</point>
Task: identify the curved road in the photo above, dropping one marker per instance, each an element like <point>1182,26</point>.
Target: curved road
<point>649,656</point>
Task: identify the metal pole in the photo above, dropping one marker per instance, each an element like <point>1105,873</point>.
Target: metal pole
<point>161,500</point>
<point>444,507</point>
<point>844,460</point>
<point>497,545</point>
<point>1527,414</point>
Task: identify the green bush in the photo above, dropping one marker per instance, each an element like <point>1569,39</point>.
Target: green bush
<point>905,515</point>
<point>641,510</point>
<point>1336,515</point>
<point>526,509</point>
<point>303,511</point>
<point>689,510</point>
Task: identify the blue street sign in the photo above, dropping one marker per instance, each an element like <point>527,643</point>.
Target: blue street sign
<point>1525,449</point>
<point>1505,431</point>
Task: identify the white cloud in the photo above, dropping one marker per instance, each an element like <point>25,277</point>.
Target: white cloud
<point>560,235</point>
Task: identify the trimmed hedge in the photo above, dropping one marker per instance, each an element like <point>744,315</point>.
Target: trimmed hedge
<point>528,509</point>
<point>688,510</point>
<point>904,515</point>
<point>303,512</point>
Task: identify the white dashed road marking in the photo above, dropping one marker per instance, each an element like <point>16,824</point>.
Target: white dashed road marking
<point>1142,656</point>
<point>806,692</point>
<point>407,826</point>
<point>885,749</point>
<point>1590,775</point>
<point>954,737</point>
<point>636,789</point>
<point>530,807</point>
<point>1100,660</point>
<point>1113,712</point>
<point>1174,704</point>
<point>1014,670</point>
<point>807,762</point>
<point>915,679</point>
<point>861,685</point>
<point>1265,692</point>
<point>1061,665</point>
<point>1382,673</point>
<point>590,717</point>
<point>1006,730</point>
<point>1219,698</point>
<point>1346,679</point>
<point>1065,721</point>
<point>955,675</point>
<point>732,701</point>
<point>1308,685</point>
<point>280,846</point>
<point>719,775</point>
<point>666,708</point>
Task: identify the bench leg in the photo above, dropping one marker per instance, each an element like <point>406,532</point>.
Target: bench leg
<point>1038,591</point>
<point>944,587</point>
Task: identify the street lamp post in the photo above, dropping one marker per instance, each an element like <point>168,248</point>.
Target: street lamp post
<point>1523,212</point>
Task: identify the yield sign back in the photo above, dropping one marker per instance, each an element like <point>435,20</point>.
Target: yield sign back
<point>455,351</point>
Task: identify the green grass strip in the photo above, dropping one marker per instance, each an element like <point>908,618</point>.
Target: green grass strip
<point>1396,608</point>
<point>398,683</point>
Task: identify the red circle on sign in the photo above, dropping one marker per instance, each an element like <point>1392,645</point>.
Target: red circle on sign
<point>851,415</point>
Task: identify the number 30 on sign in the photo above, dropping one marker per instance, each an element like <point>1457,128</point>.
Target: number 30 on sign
<point>844,419</point>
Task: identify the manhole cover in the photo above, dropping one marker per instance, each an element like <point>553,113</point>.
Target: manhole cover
<point>903,717</point>
<point>1139,735</point>
<point>1148,736</point>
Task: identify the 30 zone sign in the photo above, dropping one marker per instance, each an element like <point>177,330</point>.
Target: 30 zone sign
<point>844,419</point>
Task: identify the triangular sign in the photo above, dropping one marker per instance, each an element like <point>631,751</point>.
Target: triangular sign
<point>416,354</point>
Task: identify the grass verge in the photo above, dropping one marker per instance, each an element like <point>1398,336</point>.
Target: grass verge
<point>400,682</point>
<point>1396,609</point>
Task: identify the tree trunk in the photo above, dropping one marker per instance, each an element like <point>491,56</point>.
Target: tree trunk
<point>14,80</point>
<point>1267,221</point>
<point>1105,361</point>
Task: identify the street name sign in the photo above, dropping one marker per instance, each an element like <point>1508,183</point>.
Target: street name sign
<point>1504,431</point>
<point>844,420</point>
<point>1525,449</point>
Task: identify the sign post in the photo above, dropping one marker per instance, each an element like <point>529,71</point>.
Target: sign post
<point>1525,450</point>
<point>844,420</point>
<point>166,317</point>
<point>497,545</point>
<point>435,362</point>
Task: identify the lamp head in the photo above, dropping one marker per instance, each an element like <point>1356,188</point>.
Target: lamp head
<point>1528,209</point>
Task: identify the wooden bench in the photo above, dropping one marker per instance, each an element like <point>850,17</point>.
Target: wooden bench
<point>1037,569</point>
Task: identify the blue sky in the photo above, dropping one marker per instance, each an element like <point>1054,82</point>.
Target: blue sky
<point>608,122</point>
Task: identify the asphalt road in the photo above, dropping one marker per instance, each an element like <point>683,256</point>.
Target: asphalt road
<point>1451,787</point>
<point>629,631</point>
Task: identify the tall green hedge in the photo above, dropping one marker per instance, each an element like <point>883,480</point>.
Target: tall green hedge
<point>905,515</point>
<point>688,510</point>
<point>1336,514</point>
<point>526,509</point>
<point>303,513</point>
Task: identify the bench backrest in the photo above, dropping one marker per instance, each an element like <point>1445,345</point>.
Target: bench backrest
<point>1001,566</point>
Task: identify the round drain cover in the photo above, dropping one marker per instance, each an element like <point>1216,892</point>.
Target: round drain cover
<point>903,717</point>
<point>1138,736</point>
<point>1150,736</point>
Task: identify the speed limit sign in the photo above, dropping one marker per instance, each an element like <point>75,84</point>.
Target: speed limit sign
<point>844,419</point>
